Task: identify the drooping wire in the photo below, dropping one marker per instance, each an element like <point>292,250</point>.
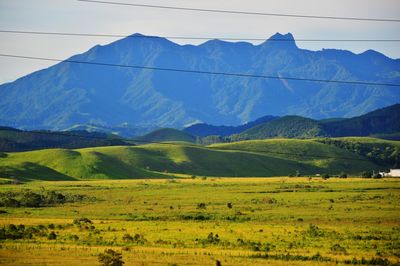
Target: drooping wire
<point>81,34</point>
<point>242,12</point>
<point>243,75</point>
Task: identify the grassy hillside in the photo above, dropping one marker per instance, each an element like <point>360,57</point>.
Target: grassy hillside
<point>204,130</point>
<point>167,134</point>
<point>12,139</point>
<point>329,158</point>
<point>248,158</point>
<point>285,127</point>
<point>382,122</point>
<point>382,152</point>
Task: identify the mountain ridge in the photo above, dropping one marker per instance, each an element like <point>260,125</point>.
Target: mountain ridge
<point>67,94</point>
<point>381,121</point>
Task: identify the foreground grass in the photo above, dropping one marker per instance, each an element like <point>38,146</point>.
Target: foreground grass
<point>259,221</point>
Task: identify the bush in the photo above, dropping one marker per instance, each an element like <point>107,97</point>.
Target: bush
<point>201,205</point>
<point>83,220</point>
<point>127,238</point>
<point>110,258</point>
<point>342,175</point>
<point>314,231</point>
<point>52,236</point>
<point>336,248</point>
<point>9,202</point>
<point>53,197</point>
<point>325,176</point>
<point>31,200</point>
<point>21,231</point>
<point>377,176</point>
<point>366,174</point>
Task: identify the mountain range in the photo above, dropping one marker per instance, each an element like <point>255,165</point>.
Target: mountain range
<point>70,94</point>
<point>383,123</point>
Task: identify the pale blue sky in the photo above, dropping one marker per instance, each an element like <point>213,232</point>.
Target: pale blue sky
<point>74,16</point>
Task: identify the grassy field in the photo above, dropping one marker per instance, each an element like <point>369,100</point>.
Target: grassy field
<point>237,221</point>
<point>275,157</point>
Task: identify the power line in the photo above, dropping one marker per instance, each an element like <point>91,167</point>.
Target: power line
<point>191,38</point>
<point>244,75</point>
<point>241,12</point>
<point>68,134</point>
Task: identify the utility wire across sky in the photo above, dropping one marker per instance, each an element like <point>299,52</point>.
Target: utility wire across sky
<point>244,75</point>
<point>236,12</point>
<point>188,37</point>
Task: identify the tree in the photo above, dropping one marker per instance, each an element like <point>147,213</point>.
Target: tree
<point>366,174</point>
<point>325,176</point>
<point>52,236</point>
<point>127,238</point>
<point>377,176</point>
<point>110,258</point>
<point>31,199</point>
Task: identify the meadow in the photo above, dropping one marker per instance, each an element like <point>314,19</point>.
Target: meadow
<point>199,220</point>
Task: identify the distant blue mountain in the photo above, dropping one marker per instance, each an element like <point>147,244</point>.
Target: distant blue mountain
<point>69,94</point>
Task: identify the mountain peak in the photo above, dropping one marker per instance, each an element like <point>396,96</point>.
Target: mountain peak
<point>278,36</point>
<point>281,40</point>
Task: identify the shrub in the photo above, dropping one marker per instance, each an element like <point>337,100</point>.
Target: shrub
<point>139,239</point>
<point>336,248</point>
<point>53,197</point>
<point>52,236</point>
<point>9,202</point>
<point>83,220</point>
<point>342,175</point>
<point>366,174</point>
<point>377,176</point>
<point>314,231</point>
<point>31,199</point>
<point>74,237</point>
<point>110,258</point>
<point>127,238</point>
<point>201,205</point>
<point>325,176</point>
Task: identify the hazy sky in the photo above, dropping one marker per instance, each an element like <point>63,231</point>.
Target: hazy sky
<point>75,16</point>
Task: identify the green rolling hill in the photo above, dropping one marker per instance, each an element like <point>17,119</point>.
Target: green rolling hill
<point>167,134</point>
<point>285,127</point>
<point>12,140</point>
<point>382,122</point>
<point>275,157</point>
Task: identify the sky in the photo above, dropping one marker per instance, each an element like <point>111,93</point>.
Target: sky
<point>82,17</point>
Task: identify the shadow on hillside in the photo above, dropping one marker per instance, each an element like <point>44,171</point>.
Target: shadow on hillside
<point>241,163</point>
<point>110,167</point>
<point>28,171</point>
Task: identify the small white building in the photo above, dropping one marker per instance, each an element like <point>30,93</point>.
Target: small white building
<point>394,172</point>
